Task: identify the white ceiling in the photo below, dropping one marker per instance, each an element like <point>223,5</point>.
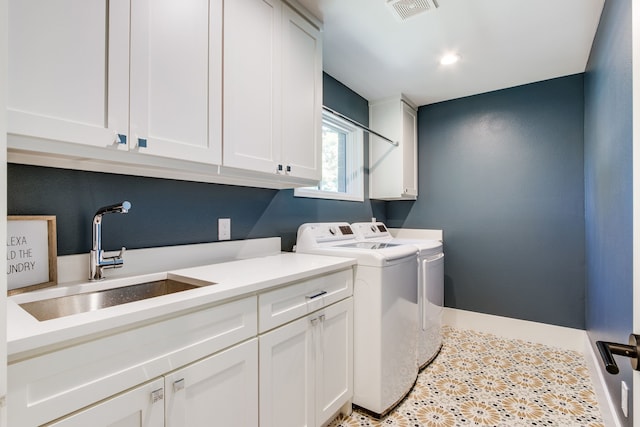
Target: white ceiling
<point>502,43</point>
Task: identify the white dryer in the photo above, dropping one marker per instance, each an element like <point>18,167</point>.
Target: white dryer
<point>385,312</point>
<point>430,285</point>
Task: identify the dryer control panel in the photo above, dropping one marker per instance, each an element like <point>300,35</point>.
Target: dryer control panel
<point>370,230</point>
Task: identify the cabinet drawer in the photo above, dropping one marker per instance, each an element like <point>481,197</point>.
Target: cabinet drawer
<point>135,407</point>
<point>298,299</point>
<point>54,384</point>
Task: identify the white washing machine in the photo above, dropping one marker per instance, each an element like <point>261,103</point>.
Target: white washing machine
<point>430,285</point>
<point>385,312</point>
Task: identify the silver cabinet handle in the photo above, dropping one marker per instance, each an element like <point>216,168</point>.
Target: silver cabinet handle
<point>319,294</point>
<point>315,320</point>
<point>157,395</point>
<point>122,139</point>
<point>142,142</point>
<point>178,385</point>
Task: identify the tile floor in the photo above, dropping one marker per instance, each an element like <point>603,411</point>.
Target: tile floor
<point>482,380</point>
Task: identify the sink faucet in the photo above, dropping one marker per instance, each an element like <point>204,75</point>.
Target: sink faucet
<point>98,261</point>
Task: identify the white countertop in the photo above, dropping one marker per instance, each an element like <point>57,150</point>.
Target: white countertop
<point>233,279</point>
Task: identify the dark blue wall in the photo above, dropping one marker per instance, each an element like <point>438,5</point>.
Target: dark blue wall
<point>608,184</point>
<point>168,212</point>
<point>502,174</point>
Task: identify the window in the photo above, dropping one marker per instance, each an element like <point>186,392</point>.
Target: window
<point>342,162</point>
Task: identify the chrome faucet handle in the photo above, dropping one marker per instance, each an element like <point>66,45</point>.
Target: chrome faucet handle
<point>113,261</point>
<point>118,257</point>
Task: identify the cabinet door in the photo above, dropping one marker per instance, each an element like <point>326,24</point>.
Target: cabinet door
<point>221,390</point>
<point>140,407</point>
<point>394,171</point>
<point>252,134</point>
<point>409,151</point>
<point>334,360</point>
<point>68,70</point>
<point>301,97</point>
<point>287,376</point>
<point>176,66</point>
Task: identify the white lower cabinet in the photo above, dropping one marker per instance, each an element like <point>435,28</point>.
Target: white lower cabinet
<point>281,358</point>
<point>306,368</point>
<point>135,408</point>
<point>286,375</point>
<point>220,390</point>
<point>204,346</point>
<point>334,360</point>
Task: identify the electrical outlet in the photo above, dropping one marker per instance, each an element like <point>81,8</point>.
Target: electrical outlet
<point>624,398</point>
<point>224,228</point>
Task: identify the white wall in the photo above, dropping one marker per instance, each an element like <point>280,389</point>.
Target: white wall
<point>3,210</point>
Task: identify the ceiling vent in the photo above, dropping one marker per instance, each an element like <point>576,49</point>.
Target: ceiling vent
<point>405,9</point>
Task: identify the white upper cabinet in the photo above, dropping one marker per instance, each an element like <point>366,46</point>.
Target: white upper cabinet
<point>301,97</point>
<point>251,88</point>
<point>272,90</point>
<point>142,75</point>
<point>176,79</point>
<point>69,70</point>
<point>148,86</point>
<point>393,170</point>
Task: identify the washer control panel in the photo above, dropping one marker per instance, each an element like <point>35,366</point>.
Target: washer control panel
<point>325,232</point>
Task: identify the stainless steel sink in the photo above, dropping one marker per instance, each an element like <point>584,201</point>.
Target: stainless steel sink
<point>53,308</point>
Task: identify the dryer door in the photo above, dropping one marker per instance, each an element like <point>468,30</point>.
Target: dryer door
<point>432,291</point>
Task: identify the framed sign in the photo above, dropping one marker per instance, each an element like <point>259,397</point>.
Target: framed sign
<point>32,261</point>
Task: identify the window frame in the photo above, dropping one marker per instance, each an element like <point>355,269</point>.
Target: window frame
<point>354,164</point>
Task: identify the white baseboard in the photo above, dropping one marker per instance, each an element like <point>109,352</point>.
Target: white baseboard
<point>541,333</point>
<point>607,407</point>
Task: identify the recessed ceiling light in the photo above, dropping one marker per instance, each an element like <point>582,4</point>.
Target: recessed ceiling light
<point>450,58</point>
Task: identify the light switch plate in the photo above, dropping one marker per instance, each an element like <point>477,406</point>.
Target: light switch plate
<point>624,398</point>
<point>224,228</point>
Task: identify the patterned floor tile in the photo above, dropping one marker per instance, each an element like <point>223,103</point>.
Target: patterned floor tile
<point>480,379</point>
